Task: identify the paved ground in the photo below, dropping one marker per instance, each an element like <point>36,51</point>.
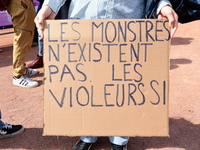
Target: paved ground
<point>25,106</point>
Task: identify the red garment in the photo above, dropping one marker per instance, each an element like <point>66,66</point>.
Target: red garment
<point>4,4</point>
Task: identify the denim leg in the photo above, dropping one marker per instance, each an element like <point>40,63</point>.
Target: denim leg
<point>89,139</point>
<point>118,140</point>
<point>40,46</point>
<point>1,124</point>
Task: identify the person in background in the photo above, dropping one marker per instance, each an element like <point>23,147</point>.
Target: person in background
<point>22,13</point>
<point>35,37</point>
<point>62,14</point>
<point>107,9</point>
<point>7,130</point>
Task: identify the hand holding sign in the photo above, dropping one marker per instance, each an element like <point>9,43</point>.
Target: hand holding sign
<point>168,13</point>
<point>44,14</point>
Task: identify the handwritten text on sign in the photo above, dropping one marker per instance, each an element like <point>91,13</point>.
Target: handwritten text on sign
<point>111,64</point>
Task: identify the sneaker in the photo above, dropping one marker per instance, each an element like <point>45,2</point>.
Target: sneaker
<point>118,147</point>
<point>24,81</point>
<point>31,72</point>
<point>80,145</point>
<point>10,130</point>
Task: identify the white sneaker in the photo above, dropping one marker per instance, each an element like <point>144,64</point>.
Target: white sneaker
<point>31,72</point>
<point>24,81</point>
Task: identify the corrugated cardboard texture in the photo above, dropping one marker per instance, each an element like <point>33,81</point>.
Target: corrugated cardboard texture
<point>106,77</point>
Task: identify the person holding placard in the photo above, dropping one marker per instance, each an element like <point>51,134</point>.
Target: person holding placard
<point>108,9</point>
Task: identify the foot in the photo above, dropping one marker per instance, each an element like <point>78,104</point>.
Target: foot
<point>37,63</point>
<point>10,130</point>
<point>80,145</point>
<point>118,147</point>
<point>24,81</point>
<point>34,44</point>
<point>31,72</point>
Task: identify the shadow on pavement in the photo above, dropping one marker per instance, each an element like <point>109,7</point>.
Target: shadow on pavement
<point>181,41</point>
<point>6,57</point>
<point>183,134</point>
<point>174,63</point>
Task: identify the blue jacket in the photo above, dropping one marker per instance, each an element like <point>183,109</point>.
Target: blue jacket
<point>108,9</point>
<point>187,10</point>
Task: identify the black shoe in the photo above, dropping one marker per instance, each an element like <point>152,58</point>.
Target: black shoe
<point>118,147</point>
<point>80,145</point>
<point>10,130</point>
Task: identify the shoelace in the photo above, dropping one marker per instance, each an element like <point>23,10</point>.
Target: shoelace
<point>7,126</point>
<point>28,71</point>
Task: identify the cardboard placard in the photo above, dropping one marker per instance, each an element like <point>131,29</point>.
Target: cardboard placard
<point>106,77</point>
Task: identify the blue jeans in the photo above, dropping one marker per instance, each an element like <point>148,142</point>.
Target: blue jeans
<point>40,46</point>
<point>1,123</point>
<point>113,139</point>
